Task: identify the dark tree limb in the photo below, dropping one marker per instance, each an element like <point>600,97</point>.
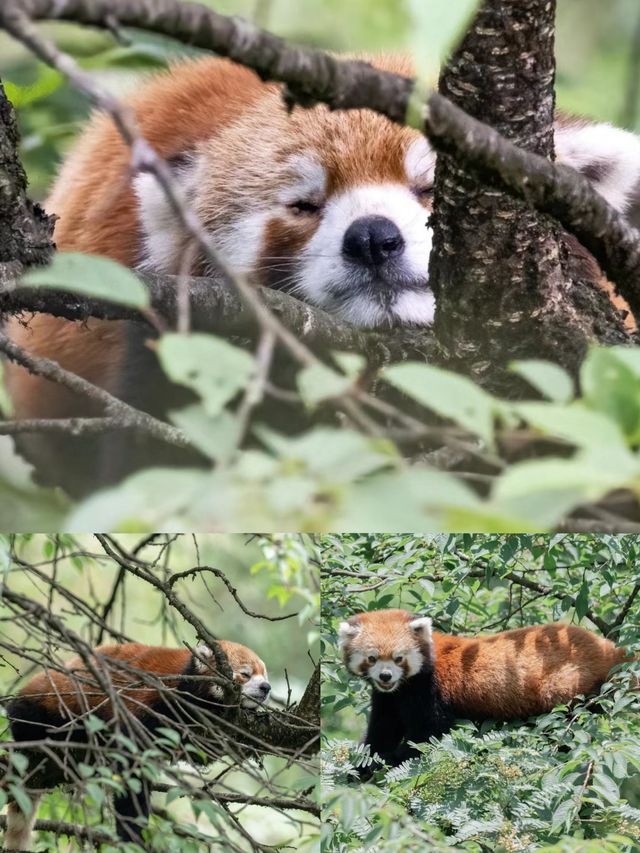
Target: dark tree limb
<point>25,229</point>
<point>504,282</point>
<point>548,187</point>
<point>217,307</point>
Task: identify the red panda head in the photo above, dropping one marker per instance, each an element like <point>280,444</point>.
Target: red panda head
<point>386,646</point>
<point>248,670</point>
<point>331,206</point>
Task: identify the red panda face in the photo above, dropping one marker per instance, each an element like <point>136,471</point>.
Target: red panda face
<point>332,207</point>
<point>386,646</point>
<point>248,670</point>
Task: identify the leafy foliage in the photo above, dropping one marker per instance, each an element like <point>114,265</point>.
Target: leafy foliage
<point>568,780</point>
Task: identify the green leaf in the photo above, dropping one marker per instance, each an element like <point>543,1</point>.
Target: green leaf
<point>318,382</point>
<point>547,378</point>
<point>543,491</point>
<point>47,82</point>
<point>90,275</point>
<point>448,394</point>
<point>213,368</point>
<point>573,423</point>
<point>216,436</point>
<point>144,502</point>
<point>610,381</point>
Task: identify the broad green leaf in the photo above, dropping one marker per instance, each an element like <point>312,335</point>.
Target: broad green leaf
<point>319,382</point>
<point>415,499</point>
<point>47,82</point>
<point>436,26</point>
<point>215,436</point>
<point>447,394</point>
<point>90,275</point>
<point>611,385</point>
<point>549,379</point>
<point>543,491</point>
<point>573,423</point>
<point>156,499</point>
<point>215,369</point>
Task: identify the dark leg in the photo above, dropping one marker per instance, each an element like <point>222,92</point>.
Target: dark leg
<point>132,813</point>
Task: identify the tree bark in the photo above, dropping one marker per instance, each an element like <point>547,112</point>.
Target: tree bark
<point>508,283</point>
<point>25,229</point>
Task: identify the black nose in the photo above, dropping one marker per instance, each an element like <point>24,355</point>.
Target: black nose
<point>372,240</point>
<point>265,687</point>
<point>385,676</point>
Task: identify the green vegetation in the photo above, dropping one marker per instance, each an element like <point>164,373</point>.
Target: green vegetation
<point>565,781</point>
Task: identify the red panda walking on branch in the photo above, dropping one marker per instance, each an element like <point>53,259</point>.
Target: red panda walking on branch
<point>423,681</point>
<point>135,689</point>
<point>331,206</point>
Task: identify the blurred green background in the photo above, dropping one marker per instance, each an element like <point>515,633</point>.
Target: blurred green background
<point>594,47</point>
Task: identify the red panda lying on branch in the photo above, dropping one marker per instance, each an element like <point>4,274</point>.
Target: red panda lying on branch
<point>424,681</point>
<point>156,686</point>
<point>332,207</point>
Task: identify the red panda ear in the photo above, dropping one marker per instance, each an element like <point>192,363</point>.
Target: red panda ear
<point>347,631</point>
<point>422,626</point>
<point>608,157</point>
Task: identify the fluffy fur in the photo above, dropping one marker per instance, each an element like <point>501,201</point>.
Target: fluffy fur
<point>423,681</point>
<point>279,193</point>
<point>156,685</point>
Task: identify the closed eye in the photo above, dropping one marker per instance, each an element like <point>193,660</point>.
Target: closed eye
<point>425,192</point>
<point>305,206</point>
<point>398,658</point>
<point>372,658</point>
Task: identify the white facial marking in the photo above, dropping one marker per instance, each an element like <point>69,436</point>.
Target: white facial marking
<point>386,675</point>
<point>240,241</point>
<point>365,298</point>
<point>617,150</point>
<point>420,163</point>
<point>163,236</point>
<point>252,692</point>
<point>309,180</point>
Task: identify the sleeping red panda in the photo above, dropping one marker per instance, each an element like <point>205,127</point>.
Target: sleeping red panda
<point>332,206</point>
<point>423,681</point>
<point>157,686</point>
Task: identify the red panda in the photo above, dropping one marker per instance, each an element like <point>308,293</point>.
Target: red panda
<point>424,681</point>
<point>155,685</point>
<point>332,206</point>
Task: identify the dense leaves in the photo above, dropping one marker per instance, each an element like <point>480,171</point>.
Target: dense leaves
<point>568,780</point>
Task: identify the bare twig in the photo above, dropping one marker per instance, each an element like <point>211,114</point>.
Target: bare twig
<point>112,406</point>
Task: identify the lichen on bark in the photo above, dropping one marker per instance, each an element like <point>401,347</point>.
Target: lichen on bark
<point>25,229</point>
<point>507,282</point>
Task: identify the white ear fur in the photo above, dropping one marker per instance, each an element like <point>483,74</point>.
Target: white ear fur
<point>163,240</point>
<point>421,625</point>
<point>608,156</point>
<point>347,632</point>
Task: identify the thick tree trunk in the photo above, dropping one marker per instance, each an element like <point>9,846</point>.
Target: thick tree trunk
<point>507,284</point>
<point>25,229</point>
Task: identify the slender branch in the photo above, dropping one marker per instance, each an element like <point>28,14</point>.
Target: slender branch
<point>554,189</point>
<point>112,406</point>
<point>60,827</point>
<point>310,75</point>
<point>197,570</point>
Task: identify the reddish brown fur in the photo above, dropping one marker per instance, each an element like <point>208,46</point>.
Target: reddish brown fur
<point>511,675</point>
<point>79,692</point>
<point>203,102</point>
